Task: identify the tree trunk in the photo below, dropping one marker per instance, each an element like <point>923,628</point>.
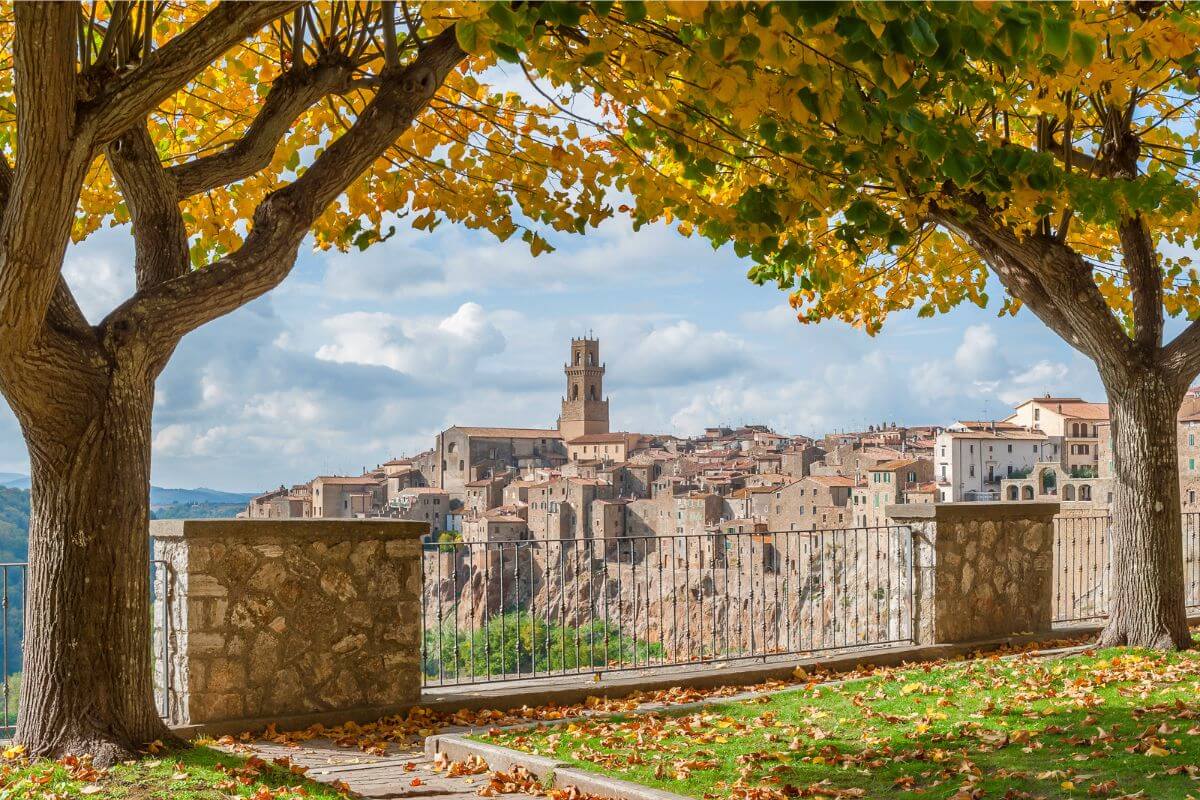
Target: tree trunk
<point>87,685</point>
<point>1146,565</point>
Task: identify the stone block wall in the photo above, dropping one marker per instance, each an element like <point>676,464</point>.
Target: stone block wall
<point>273,619</point>
<point>980,570</point>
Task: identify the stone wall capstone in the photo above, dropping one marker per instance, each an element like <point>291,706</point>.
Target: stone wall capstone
<point>274,619</point>
<point>980,570</point>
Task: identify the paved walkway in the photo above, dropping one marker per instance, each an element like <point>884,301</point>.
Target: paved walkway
<point>376,777</point>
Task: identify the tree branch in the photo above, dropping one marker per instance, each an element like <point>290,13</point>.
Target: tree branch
<point>1145,281</point>
<point>159,235</point>
<point>1050,278</point>
<point>290,96</point>
<point>50,169</point>
<point>169,310</point>
<point>127,100</point>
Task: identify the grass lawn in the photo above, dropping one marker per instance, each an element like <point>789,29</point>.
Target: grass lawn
<point>1107,724</point>
<point>195,773</point>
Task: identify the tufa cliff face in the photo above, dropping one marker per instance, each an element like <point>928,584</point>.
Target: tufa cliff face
<point>651,606</point>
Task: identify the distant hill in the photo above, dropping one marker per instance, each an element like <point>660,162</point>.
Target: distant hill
<point>197,511</point>
<point>168,497</point>
<point>14,480</point>
<point>14,524</point>
<point>159,497</point>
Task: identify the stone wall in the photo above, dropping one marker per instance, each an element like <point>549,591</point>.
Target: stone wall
<point>980,570</point>
<point>270,619</point>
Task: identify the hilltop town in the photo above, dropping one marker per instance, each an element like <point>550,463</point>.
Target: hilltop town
<point>581,480</point>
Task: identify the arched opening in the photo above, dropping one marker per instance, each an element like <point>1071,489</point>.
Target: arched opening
<point>1068,492</point>
<point>1085,492</point>
<point>591,360</point>
<point>1049,482</point>
<point>461,465</point>
<point>575,392</point>
<point>591,392</point>
<point>1013,492</point>
<point>1027,493</point>
<point>450,448</point>
<point>578,356</point>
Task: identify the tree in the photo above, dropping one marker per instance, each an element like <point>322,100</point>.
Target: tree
<point>223,136</point>
<point>871,157</point>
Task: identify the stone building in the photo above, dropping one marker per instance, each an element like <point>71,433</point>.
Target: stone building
<point>485,493</point>
<point>344,497</point>
<point>615,447</point>
<point>818,502</point>
<point>424,504</point>
<point>495,526</point>
<point>887,484</point>
<point>1071,424</point>
<point>467,454</point>
<point>281,503</point>
<point>562,508</point>
<point>584,408</point>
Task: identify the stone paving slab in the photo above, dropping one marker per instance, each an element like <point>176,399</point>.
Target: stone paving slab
<point>373,777</point>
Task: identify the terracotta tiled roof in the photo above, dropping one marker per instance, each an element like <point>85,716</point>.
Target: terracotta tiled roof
<point>1087,411</point>
<point>490,517</point>
<point>833,480</point>
<point>356,480</point>
<point>510,433</point>
<point>899,463</point>
<point>604,438</point>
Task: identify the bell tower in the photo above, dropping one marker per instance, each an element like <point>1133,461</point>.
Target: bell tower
<point>584,409</point>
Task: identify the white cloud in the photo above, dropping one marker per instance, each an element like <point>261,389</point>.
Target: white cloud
<point>677,354</point>
<point>99,271</point>
<point>454,262</point>
<point>424,347</point>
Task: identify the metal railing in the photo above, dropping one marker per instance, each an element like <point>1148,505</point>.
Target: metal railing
<point>495,611</point>
<point>12,635</point>
<point>1082,555</point>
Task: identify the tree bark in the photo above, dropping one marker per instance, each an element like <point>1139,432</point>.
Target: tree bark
<point>1146,555</point>
<point>87,682</point>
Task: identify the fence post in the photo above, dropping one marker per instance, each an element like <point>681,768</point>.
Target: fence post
<point>288,621</point>
<point>979,570</point>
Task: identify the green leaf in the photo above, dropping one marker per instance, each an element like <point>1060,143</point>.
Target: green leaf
<point>506,52</point>
<point>594,59</point>
<point>921,36</point>
<point>467,34</point>
<point>957,168</point>
<point>502,15</point>
<point>1057,35</point>
<point>1083,48</point>
<point>635,10</point>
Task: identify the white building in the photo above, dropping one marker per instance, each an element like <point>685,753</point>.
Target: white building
<point>971,458</point>
<point>1073,426</point>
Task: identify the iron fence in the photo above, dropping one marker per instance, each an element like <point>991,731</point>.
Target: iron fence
<point>526,609</point>
<point>1082,553</point>
<point>12,636</point>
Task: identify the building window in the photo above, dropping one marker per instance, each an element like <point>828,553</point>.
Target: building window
<point>972,470</point>
<point>1010,448</point>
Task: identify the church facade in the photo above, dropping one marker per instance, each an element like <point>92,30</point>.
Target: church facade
<point>464,454</point>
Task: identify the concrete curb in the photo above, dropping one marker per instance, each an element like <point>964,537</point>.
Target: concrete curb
<point>551,772</point>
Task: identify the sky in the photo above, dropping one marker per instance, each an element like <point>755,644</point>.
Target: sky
<point>364,356</point>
